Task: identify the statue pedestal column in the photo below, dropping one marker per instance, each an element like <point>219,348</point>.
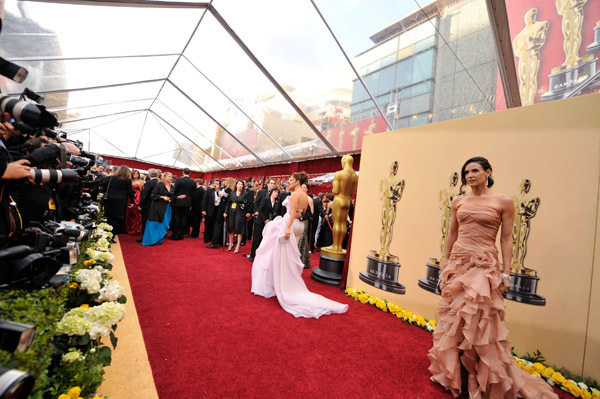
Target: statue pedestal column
<point>382,273</point>
<point>523,288</point>
<point>331,266</point>
<point>563,80</point>
<point>595,46</point>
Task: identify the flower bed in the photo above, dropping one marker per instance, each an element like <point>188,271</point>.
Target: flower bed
<point>576,388</point>
<point>67,355</point>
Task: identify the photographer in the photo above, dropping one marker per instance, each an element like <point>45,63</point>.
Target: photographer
<point>118,189</point>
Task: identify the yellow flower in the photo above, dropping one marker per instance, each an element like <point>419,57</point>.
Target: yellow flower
<point>557,377</point>
<point>85,306</point>
<point>64,396</point>
<point>88,263</point>
<point>595,392</point>
<point>96,397</point>
<point>73,285</point>
<point>529,369</point>
<point>74,392</point>
<point>432,323</point>
<point>585,394</point>
<point>539,367</point>
<point>371,300</point>
<point>548,371</point>
<point>521,364</point>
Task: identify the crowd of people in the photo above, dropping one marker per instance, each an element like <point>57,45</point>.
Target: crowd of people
<point>233,211</point>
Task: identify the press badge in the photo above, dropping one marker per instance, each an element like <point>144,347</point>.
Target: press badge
<point>233,205</point>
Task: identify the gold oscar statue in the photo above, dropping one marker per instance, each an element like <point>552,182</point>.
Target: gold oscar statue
<point>523,281</point>
<point>344,186</point>
<point>383,267</point>
<point>447,194</point>
<point>575,70</point>
<point>571,12</point>
<point>371,128</point>
<point>390,192</point>
<point>332,258</point>
<point>355,133</point>
<point>527,46</point>
<point>341,138</point>
<point>526,206</point>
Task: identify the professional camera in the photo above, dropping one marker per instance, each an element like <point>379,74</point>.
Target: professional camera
<point>15,384</point>
<point>33,115</point>
<point>42,251</point>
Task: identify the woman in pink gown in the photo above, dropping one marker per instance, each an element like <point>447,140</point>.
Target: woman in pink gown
<point>470,343</point>
<point>277,268</point>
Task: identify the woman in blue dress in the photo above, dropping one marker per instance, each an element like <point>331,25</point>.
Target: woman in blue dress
<point>159,216</point>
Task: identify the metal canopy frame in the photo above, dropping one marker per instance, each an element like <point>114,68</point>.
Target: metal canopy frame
<point>498,21</point>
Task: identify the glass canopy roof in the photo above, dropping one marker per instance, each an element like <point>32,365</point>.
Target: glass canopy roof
<point>230,84</point>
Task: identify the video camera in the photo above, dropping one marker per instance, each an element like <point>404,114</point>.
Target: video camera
<point>40,252</point>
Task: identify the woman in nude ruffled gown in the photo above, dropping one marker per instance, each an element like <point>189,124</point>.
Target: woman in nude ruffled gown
<point>471,351</point>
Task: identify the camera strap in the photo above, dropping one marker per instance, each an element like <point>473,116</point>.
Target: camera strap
<point>63,156</point>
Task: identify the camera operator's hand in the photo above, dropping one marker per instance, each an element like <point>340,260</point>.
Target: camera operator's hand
<point>6,128</point>
<point>17,170</point>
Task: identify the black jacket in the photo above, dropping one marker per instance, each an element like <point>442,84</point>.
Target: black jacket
<point>146,198</point>
<point>208,202</point>
<point>198,199</point>
<point>264,193</point>
<point>265,210</point>
<point>319,210</point>
<point>183,186</point>
<point>159,205</point>
<point>117,189</point>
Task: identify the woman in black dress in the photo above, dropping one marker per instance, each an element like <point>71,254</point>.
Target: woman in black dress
<point>117,190</point>
<point>236,213</point>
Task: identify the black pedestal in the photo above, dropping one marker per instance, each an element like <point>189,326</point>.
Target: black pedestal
<point>430,282</point>
<point>562,82</point>
<point>523,289</point>
<point>329,271</point>
<point>383,275</point>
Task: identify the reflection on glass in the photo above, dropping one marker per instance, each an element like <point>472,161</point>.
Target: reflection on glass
<point>255,112</point>
<point>106,109</point>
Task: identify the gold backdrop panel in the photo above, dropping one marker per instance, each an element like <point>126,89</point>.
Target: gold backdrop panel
<point>556,145</point>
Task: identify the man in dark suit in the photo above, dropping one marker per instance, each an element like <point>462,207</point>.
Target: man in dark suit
<point>280,210</point>
<point>250,209</point>
<point>319,212</point>
<point>264,215</point>
<point>197,198</point>
<point>182,194</point>
<point>210,205</point>
<point>146,198</point>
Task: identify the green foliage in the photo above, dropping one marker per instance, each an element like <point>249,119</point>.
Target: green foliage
<point>42,308</point>
<point>535,357</point>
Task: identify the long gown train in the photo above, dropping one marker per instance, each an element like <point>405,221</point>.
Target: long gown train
<point>470,330</point>
<point>277,271</point>
<point>156,231</point>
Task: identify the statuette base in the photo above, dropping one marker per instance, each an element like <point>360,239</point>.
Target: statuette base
<point>382,274</point>
<point>592,48</point>
<point>431,280</point>
<point>523,289</point>
<point>329,271</point>
<point>563,80</point>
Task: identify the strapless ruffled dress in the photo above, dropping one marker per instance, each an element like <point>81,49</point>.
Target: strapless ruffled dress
<point>470,328</point>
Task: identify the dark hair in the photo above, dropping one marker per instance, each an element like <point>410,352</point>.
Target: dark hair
<point>269,181</point>
<point>274,190</point>
<point>302,177</point>
<point>243,185</point>
<point>485,164</point>
<point>186,171</point>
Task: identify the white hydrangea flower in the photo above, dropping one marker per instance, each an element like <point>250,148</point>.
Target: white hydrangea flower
<point>89,280</point>
<point>74,355</point>
<point>104,226</point>
<point>110,292</point>
<point>72,324</point>
<point>583,386</point>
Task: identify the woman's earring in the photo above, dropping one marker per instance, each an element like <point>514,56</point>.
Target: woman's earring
<point>487,181</point>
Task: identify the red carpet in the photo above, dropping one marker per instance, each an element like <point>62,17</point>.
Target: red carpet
<point>207,336</point>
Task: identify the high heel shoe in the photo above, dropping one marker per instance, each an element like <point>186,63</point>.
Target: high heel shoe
<point>237,250</point>
<point>229,249</point>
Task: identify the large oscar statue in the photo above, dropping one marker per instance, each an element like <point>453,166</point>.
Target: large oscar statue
<point>575,70</point>
<point>527,46</point>
<point>524,280</point>
<point>447,194</point>
<point>332,258</point>
<point>382,266</point>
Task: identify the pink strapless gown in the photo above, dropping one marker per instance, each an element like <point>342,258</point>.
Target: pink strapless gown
<point>277,271</point>
<point>470,329</point>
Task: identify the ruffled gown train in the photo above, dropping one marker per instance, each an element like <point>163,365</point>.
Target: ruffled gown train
<point>277,271</point>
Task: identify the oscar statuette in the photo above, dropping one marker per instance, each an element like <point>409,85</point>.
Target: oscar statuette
<point>575,70</point>
<point>382,266</point>
<point>523,280</point>
<point>527,46</point>
<point>595,46</point>
<point>447,194</point>
<point>332,258</point>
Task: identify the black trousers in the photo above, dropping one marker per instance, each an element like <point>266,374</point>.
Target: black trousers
<point>312,236</point>
<point>195,223</point>
<point>256,238</point>
<point>218,231</point>
<point>209,227</point>
<point>180,217</point>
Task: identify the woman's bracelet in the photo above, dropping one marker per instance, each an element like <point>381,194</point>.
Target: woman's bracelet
<point>507,276</point>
